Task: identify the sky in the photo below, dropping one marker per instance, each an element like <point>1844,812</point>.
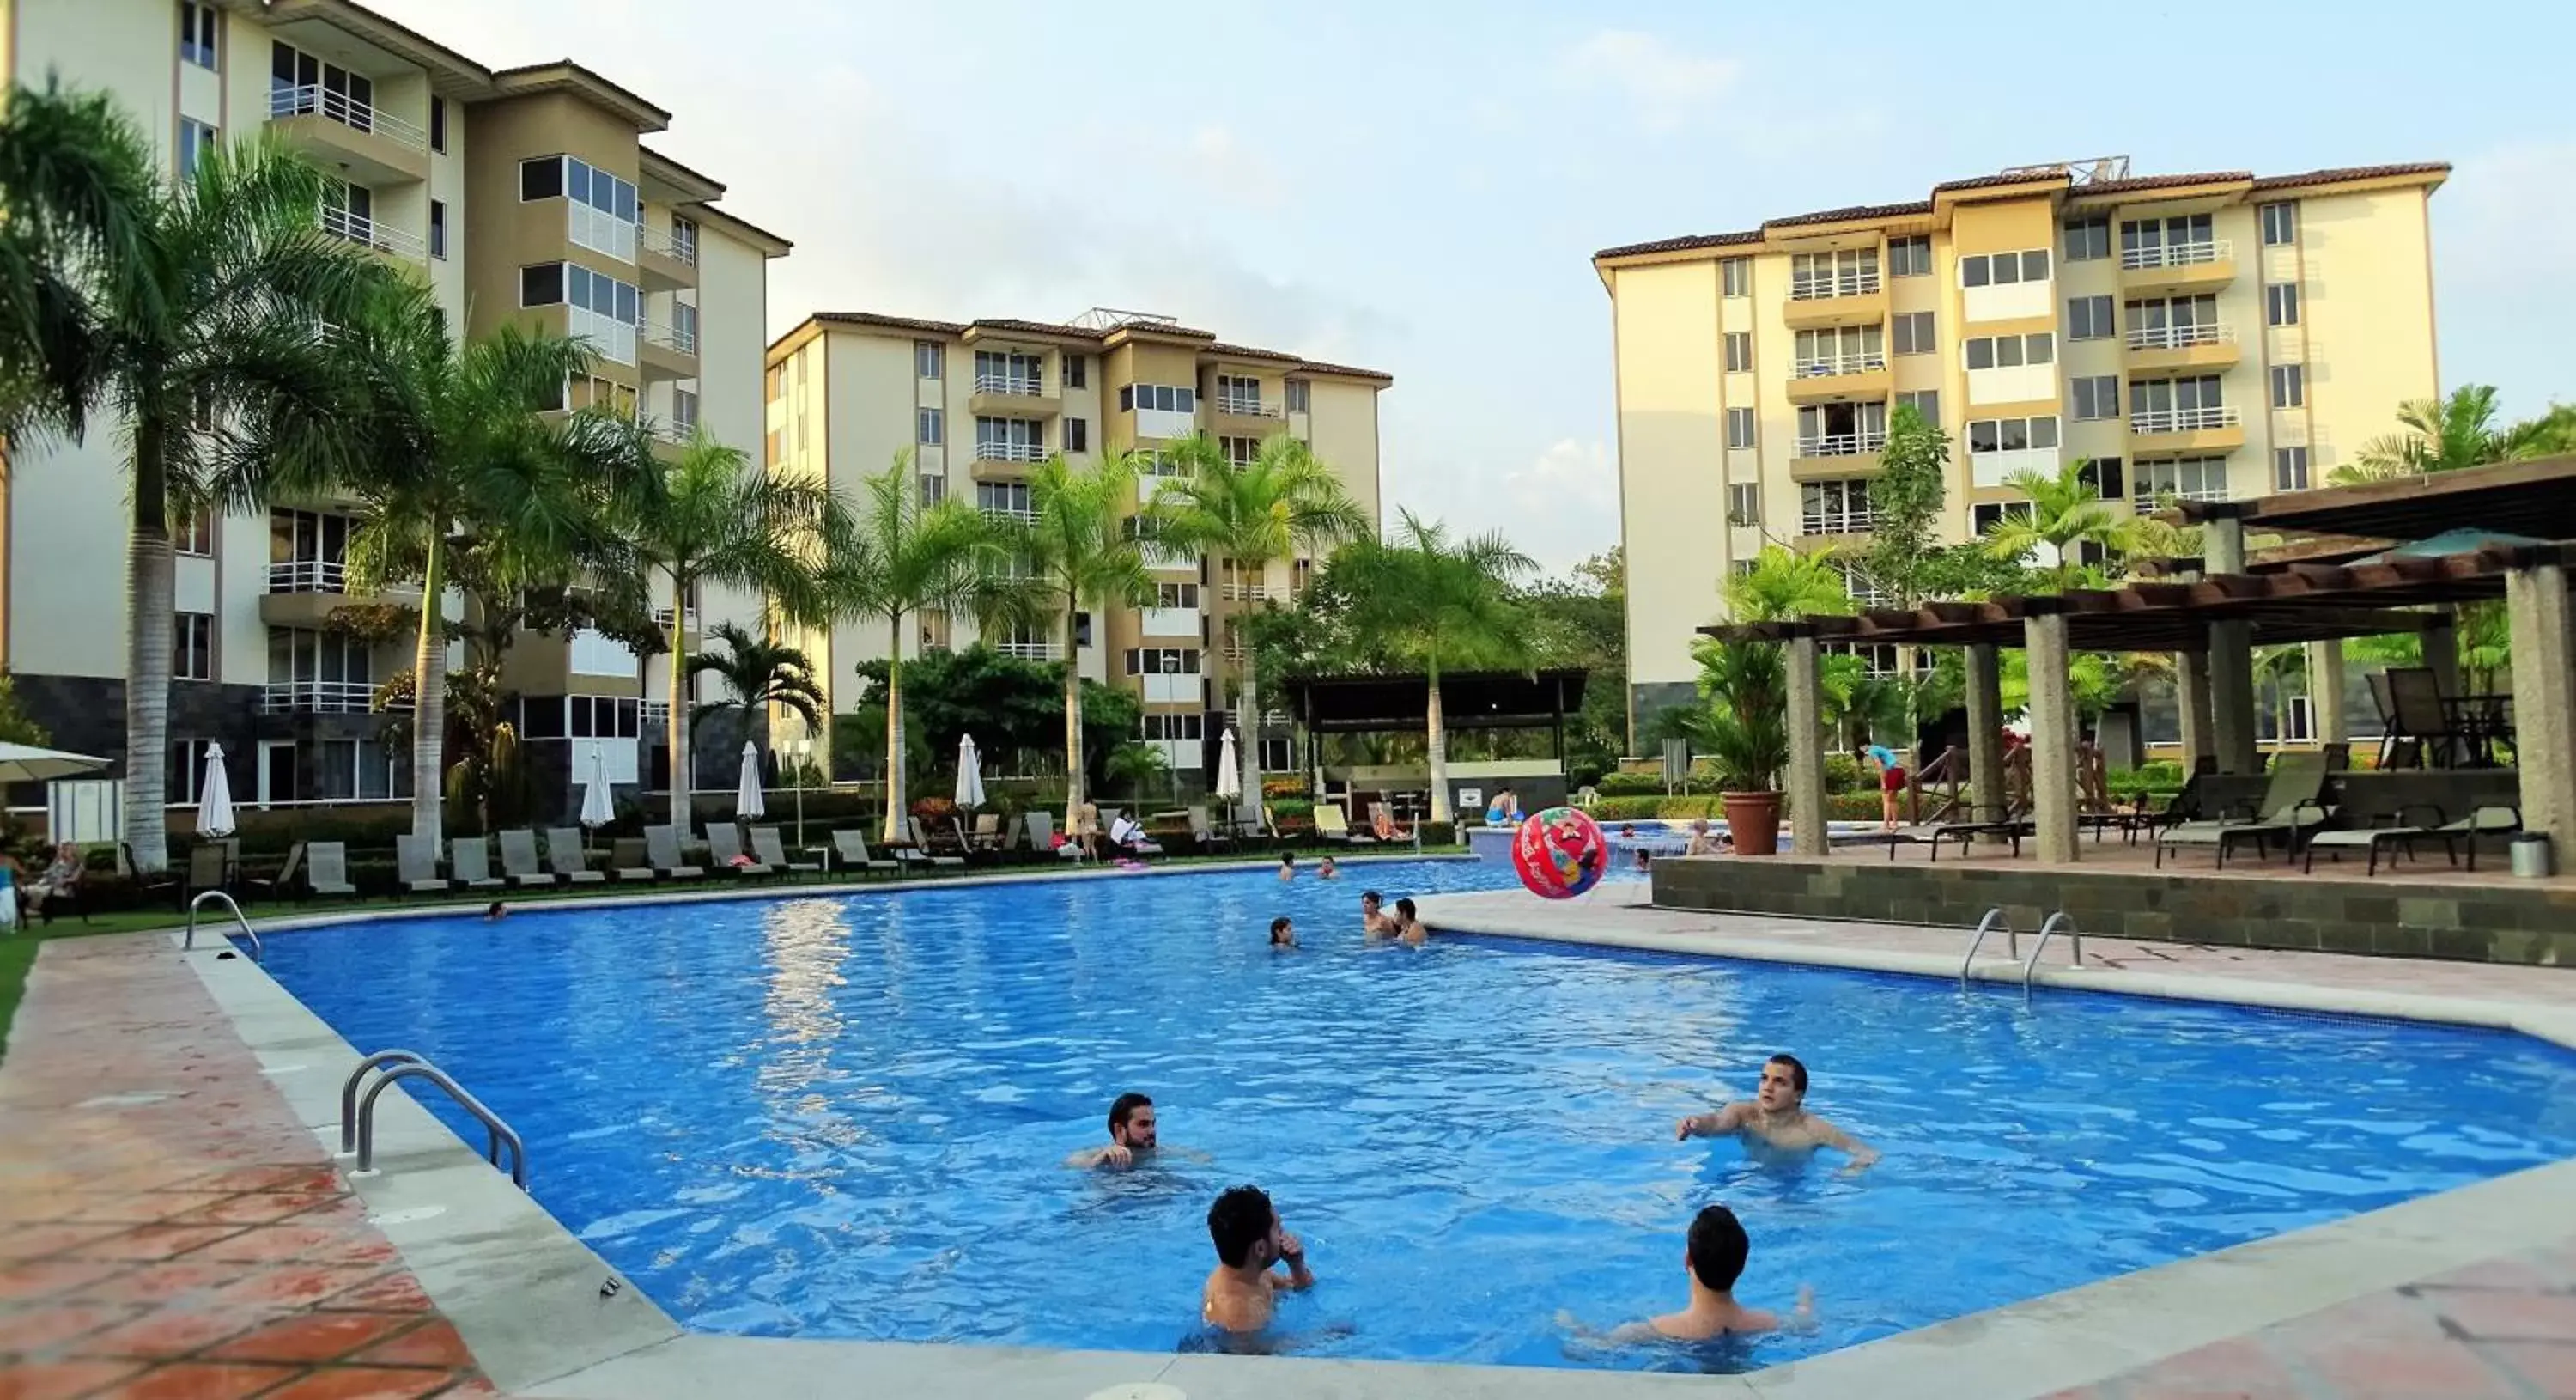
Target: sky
<point>1418,188</point>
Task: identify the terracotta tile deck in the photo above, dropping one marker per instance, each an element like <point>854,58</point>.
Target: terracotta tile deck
<point>167,1228</point>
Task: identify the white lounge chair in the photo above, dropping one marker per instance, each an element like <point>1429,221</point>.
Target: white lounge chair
<point>724,847</point>
<point>565,854</point>
<point>416,867</point>
<point>471,859</point>
<point>519,860</point>
<point>852,848</point>
<point>326,868</point>
<point>773,852</point>
<point>662,852</point>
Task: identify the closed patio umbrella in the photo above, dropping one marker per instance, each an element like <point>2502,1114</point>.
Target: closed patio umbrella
<point>970,773</point>
<point>1229,773</point>
<point>746,796</point>
<point>215,796</point>
<point>25,763</point>
<point>596,808</point>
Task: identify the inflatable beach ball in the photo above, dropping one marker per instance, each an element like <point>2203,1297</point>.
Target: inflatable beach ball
<point>1560,853</point>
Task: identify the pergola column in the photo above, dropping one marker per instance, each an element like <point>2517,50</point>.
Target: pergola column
<point>1985,731</point>
<point>2231,656</point>
<point>2544,701</point>
<point>2441,643</point>
<point>2191,696</point>
<point>2052,734</point>
<point>1807,831</point>
<point>2325,691</point>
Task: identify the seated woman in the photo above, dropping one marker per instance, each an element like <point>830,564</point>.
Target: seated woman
<point>1382,824</point>
<point>61,879</point>
<point>1125,833</point>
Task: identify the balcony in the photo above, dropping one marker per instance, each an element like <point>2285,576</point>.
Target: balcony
<point>1244,416</point>
<point>1012,396</point>
<point>1168,622</point>
<point>1031,651</point>
<point>2199,266</point>
<point>368,233</point>
<point>1837,454</point>
<point>1850,376</point>
<point>668,351</point>
<point>303,593</point>
<point>320,698</point>
<point>1839,298</point>
<point>1009,515</point>
<point>662,621</point>
<point>2153,348</point>
<point>2175,430</point>
<point>1252,593</point>
<point>345,135</point>
<point>1838,522</point>
<point>1010,452</point>
<point>666,263</point>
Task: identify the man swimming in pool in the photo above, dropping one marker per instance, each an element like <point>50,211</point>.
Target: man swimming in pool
<point>1131,1135</point>
<point>1715,1259</point>
<point>1375,922</point>
<point>1241,1292</point>
<point>1776,1117</point>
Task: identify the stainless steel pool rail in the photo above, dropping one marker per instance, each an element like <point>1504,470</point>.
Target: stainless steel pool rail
<point>190,942</point>
<point>2075,941</point>
<point>358,1115</point>
<point>1985,926</point>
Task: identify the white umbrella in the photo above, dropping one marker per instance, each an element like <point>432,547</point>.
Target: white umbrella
<point>970,773</point>
<point>24,763</point>
<point>1229,774</point>
<point>215,797</point>
<point>746,796</point>
<point>596,808</point>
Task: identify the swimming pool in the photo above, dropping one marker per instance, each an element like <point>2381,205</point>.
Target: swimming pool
<point>845,1117</point>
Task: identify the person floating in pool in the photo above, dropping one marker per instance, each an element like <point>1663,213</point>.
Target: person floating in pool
<point>1375,922</point>
<point>498,910</point>
<point>1408,925</point>
<point>1891,781</point>
<point>1328,870</point>
<point>1241,1291</point>
<point>1131,1135</point>
<point>1283,932</point>
<point>1287,865</point>
<point>1776,1117</point>
<point>1714,1259</point>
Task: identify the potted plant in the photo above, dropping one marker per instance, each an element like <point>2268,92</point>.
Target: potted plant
<point>1748,738</point>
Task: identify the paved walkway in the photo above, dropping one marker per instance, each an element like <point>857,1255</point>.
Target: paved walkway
<point>168,1230</point>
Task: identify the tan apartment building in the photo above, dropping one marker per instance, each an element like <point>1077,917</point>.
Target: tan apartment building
<point>522,195</point>
<point>2205,336</point>
<point>978,403</point>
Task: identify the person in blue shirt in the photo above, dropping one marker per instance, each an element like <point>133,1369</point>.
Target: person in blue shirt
<point>1505,809</point>
<point>1891,781</point>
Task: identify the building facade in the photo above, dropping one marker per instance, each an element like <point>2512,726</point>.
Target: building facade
<point>523,196</point>
<point>2205,336</point>
<point>977,404</point>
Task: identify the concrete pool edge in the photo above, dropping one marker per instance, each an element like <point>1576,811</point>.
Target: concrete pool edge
<point>524,1291</point>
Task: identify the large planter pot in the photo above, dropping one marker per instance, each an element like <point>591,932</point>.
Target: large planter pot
<point>1753,822</point>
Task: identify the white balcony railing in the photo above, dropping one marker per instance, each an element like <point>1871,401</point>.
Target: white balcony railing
<point>320,698</point>
<point>1024,517</point>
<point>1842,444</point>
<point>1010,452</point>
<point>1847,362</point>
<point>308,576</point>
<point>1815,286</point>
<point>1030,651</point>
<point>2207,250</point>
<point>1245,408</point>
<point>347,111</point>
<point>662,619</point>
<point>2181,420</point>
<point>670,337</point>
<point>1250,592</point>
<point>358,228</point>
<point>677,434</point>
<point>660,242</point>
<point>2177,337</point>
<point>653,712</point>
<point>1838,522</point>
<point>1025,385</point>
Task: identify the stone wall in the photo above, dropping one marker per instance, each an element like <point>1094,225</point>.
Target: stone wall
<point>2507,922</point>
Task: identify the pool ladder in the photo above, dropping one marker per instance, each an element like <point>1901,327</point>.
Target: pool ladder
<point>358,1116</point>
<point>1996,918</point>
<point>190,943</point>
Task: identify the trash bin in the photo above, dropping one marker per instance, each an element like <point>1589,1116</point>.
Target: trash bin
<point>2530,856</point>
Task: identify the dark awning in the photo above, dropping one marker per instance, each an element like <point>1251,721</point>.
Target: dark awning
<point>2535,498</point>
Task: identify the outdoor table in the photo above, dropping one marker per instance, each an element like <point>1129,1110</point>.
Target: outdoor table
<point>2478,723</point>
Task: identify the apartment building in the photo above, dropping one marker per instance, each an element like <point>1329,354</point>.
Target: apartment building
<point>2206,336</point>
<point>978,403</point>
<point>522,195</point>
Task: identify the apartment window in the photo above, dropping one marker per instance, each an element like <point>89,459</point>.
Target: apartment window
<point>188,758</point>
<point>1849,272</point>
<point>1739,427</point>
<point>603,717</point>
<point>1300,395</point>
<point>2013,434</point>
<point>195,140</point>
<point>1238,393</point>
<point>684,239</point>
<point>2090,318</point>
<point>1984,516</point>
<point>2176,241</point>
<point>602,308</point>
<point>192,647</point>
<point>1837,507</point>
<point>684,408</point>
<point>438,124</point>
<point>2087,239</point>
<point>2167,323</point>
<point>1739,352</point>
<point>2102,474</point>
<point>684,325</point>
<point>2289,469</point>
<point>1909,257</point>
<point>1077,370</point>
<point>2177,405</point>
<point>2003,269</point>
<point>934,489</point>
<point>196,536</point>
<point>1162,726</point>
<point>1735,276</point>
<point>2011,351</point>
<point>1162,661</point>
<point>604,210</point>
<point>1914,333</point>
<point>2289,386</point>
<point>2179,478</point>
<point>2097,396</point>
<point>2280,224</point>
<point>541,178</point>
<point>541,285</point>
<point>1002,497</point>
<point>1744,504</point>
<point>1176,595</point>
<point>2281,304</point>
<point>929,359</point>
<point>300,84</point>
<point>1850,350</point>
<point>438,228</point>
<point>197,25</point>
<point>1077,435</point>
<point>1006,372</point>
<point>1923,401</point>
<point>1159,398</point>
<point>1841,429</point>
<point>1239,450</point>
<point>777,382</point>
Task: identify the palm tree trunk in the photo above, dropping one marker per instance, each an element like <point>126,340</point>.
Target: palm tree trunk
<point>682,769</point>
<point>1436,730</point>
<point>149,598</point>
<point>429,697</point>
<point>1073,761</point>
<point>894,813</point>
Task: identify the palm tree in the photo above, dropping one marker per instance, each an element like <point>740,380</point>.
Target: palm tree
<point>900,557</point>
<point>1436,605</point>
<point>2066,513</point>
<point>197,316</point>
<point>1082,556</point>
<point>2441,435</point>
<point>459,455</point>
<point>1782,584</point>
<point>757,673</point>
<point>709,517</point>
<point>1283,502</point>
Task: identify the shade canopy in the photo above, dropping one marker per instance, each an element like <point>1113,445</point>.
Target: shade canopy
<point>746,794</point>
<point>1229,771</point>
<point>2536,498</point>
<point>970,773</point>
<point>596,809</point>
<point>25,763</point>
<point>215,796</point>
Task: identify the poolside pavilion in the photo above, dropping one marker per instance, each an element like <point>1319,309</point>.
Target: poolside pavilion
<point>1532,701</point>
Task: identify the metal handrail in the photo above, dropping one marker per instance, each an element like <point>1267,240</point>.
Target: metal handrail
<point>257,953</point>
<point>1844,444</point>
<point>2188,254</point>
<point>2075,938</point>
<point>1985,926</point>
<point>2180,337</point>
<point>310,100</point>
<point>1843,362</point>
<point>499,1131</point>
<point>349,1092</point>
<point>2183,420</point>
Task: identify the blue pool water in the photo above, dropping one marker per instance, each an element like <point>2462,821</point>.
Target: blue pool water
<point>845,1117</point>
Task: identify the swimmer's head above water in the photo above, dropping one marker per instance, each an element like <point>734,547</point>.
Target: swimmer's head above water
<point>1131,1122</point>
<point>1784,1084</point>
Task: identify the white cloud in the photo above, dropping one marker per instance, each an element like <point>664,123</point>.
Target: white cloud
<point>1666,84</point>
<point>1564,505</point>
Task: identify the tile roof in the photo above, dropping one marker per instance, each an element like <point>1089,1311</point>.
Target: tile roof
<point>1001,323</point>
<point>2353,172</point>
<point>1856,211</point>
<point>1251,352</point>
<point>2158,182</point>
<point>1319,367</point>
<point>1682,244</point>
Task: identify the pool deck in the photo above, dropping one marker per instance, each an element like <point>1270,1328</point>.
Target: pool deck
<point>172,1223</point>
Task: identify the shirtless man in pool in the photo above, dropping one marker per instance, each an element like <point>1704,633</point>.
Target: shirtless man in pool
<point>1774,1117</point>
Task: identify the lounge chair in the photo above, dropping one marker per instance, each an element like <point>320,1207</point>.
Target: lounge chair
<point>1382,825</point>
<point>2289,809</point>
<point>2006,823</point>
<point>724,847</point>
<point>1042,836</point>
<point>626,860</point>
<point>519,860</point>
<point>145,885</point>
<point>2370,826</point>
<point>1141,845</point>
<point>326,869</point>
<point>416,867</point>
<point>920,852</point>
<point>662,852</point>
<point>773,853</point>
<point>1332,824</point>
<point>210,867</point>
<point>470,857</point>
<point>852,848</point>
<point>988,831</point>
<point>1206,834</point>
<point>968,845</point>
<point>276,887</point>
<point>2495,819</point>
<point>564,854</point>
